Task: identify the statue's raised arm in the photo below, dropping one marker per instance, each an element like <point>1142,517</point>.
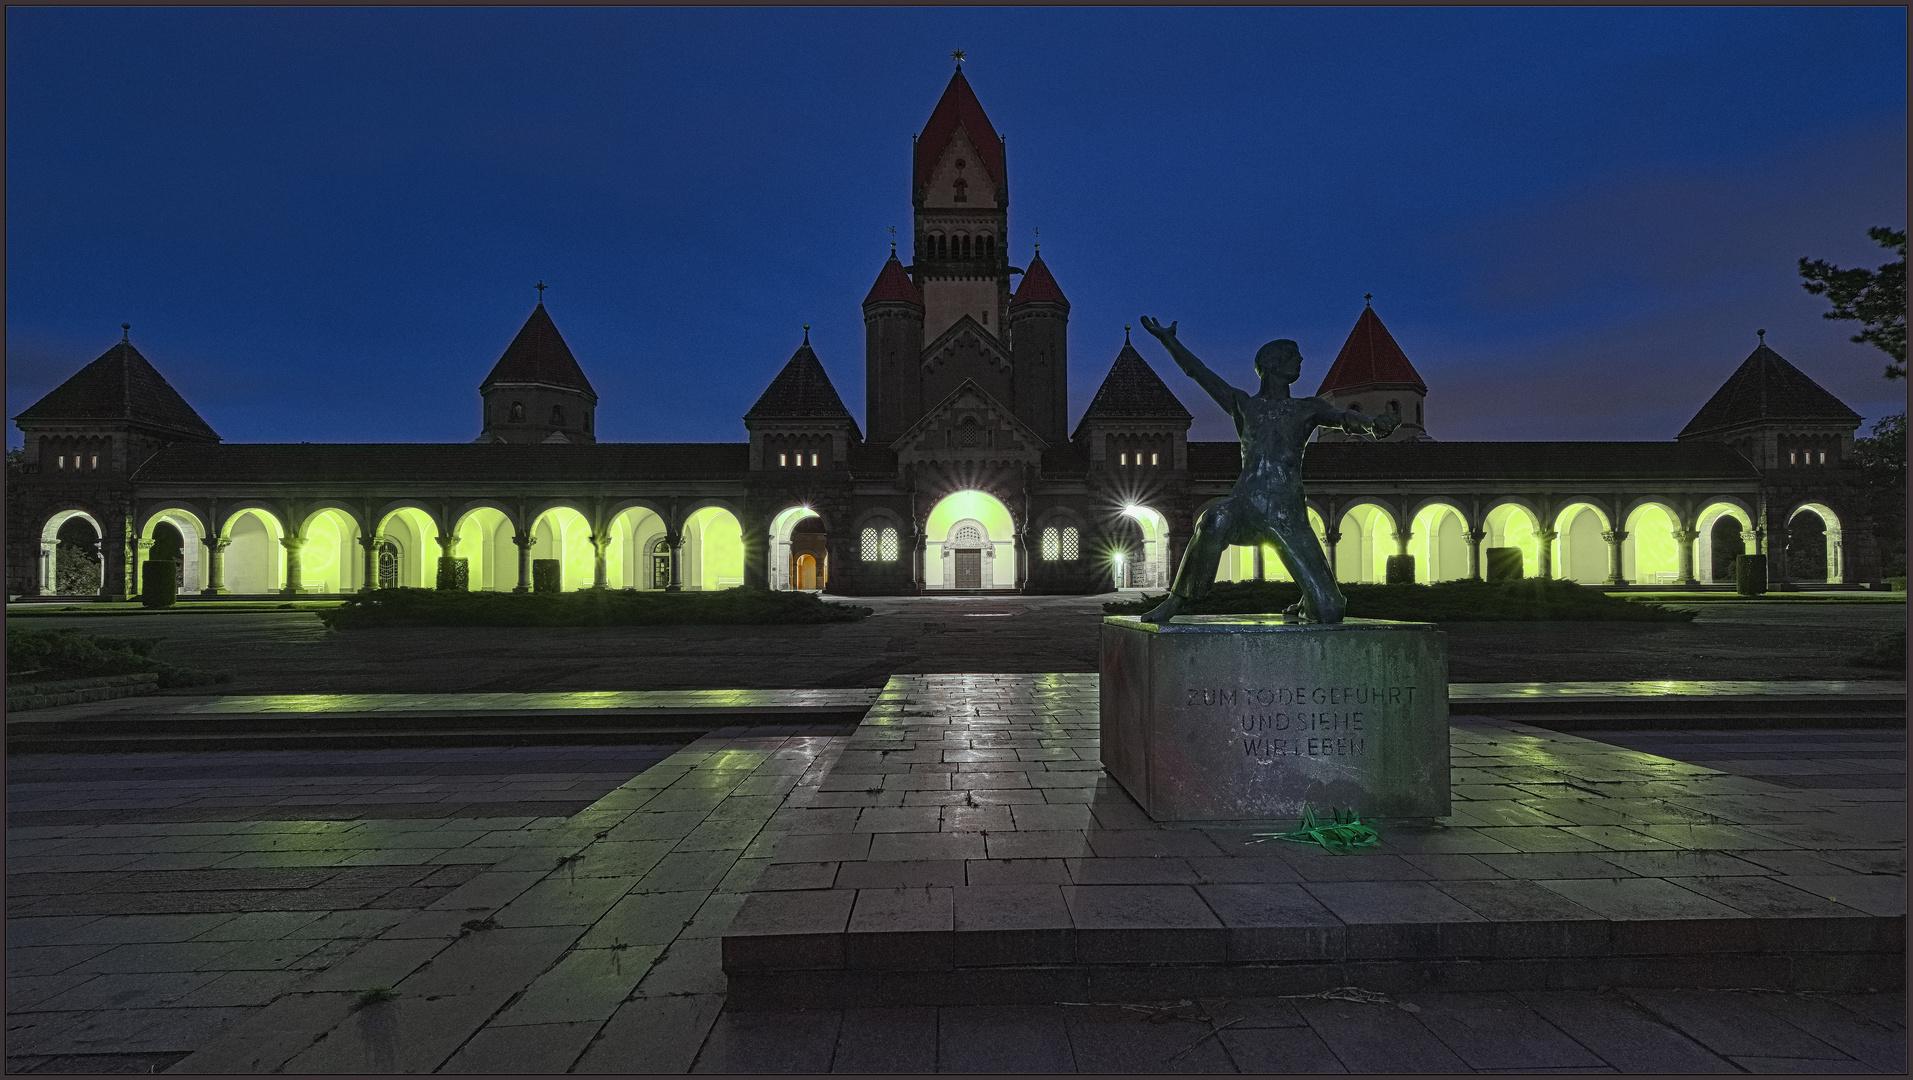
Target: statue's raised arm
<point>1214,384</point>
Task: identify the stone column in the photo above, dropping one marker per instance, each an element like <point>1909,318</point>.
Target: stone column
<point>215,565</point>
<point>1260,570</point>
<point>446,545</point>
<point>525,544</point>
<point>600,578</point>
<point>1614,538</point>
<point>294,570</point>
<point>1684,540</point>
<point>1332,541</point>
<point>1475,539</point>
<point>675,541</point>
<point>369,562</point>
<point>44,580</point>
<point>1544,560</point>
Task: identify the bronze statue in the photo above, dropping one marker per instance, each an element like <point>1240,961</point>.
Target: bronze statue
<point>1266,505</point>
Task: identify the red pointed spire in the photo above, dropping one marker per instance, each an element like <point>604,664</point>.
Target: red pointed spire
<point>959,106</point>
<point>894,284</point>
<point>1370,356</point>
<point>1038,286</point>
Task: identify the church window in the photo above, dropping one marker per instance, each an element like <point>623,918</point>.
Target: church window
<point>962,191</point>
<point>517,412</point>
<point>943,247</point>
<point>1071,547</point>
<point>557,416</point>
<point>62,464</point>
<point>96,461</point>
<point>1125,458</point>
<point>587,421</point>
<point>813,461</point>
<point>871,548</point>
<point>989,246</point>
<point>1395,409</point>
<point>1153,459</point>
<point>1052,544</point>
<point>1793,457</point>
<point>889,544</point>
<point>783,461</point>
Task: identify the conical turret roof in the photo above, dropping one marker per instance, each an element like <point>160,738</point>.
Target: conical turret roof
<point>539,355</point>
<point>1133,389</point>
<point>1038,286</point>
<point>121,385</point>
<point>1370,356</point>
<point>802,391</point>
<point>959,107</point>
<point>1767,387</point>
<point>894,284</point>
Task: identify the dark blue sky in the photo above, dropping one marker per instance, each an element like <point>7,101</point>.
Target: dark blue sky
<point>324,224</point>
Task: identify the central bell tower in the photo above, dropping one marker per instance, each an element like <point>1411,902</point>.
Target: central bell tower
<point>961,194</point>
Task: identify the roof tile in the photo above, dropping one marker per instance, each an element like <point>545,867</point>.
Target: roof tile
<point>801,391</point>
<point>1133,389</point>
<point>1368,357</point>
<point>1767,387</point>
<point>121,385</point>
<point>539,355</point>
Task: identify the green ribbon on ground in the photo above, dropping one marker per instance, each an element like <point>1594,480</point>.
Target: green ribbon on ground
<point>1341,833</point>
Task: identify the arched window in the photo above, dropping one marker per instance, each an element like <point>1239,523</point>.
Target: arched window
<point>966,246</point>
<point>517,412</point>
<point>943,247</point>
<point>889,544</point>
<point>1052,544</point>
<point>962,190</point>
<point>557,416</point>
<point>871,545</point>
<point>1395,409</point>
<point>661,564</point>
<point>1417,412</point>
<point>587,422</point>
<point>1072,549</point>
<point>989,246</point>
<point>966,534</point>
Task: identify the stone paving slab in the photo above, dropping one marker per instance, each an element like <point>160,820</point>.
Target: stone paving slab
<point>1568,863</point>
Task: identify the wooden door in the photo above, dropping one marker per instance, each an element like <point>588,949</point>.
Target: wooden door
<point>969,569</point>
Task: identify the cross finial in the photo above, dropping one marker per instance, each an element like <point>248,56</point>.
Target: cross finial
<point>959,57</point>
<point>893,238</point>
<point>1039,238</point>
<point>126,330</point>
<point>1366,297</point>
<point>541,287</point>
<point>1763,336</point>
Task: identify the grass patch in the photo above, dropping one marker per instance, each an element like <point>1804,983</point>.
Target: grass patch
<point>1887,651</point>
<point>1449,601</point>
<point>589,607</point>
<point>54,655</point>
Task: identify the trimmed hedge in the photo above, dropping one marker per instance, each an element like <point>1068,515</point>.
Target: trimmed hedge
<point>1533,599</point>
<point>55,655</point>
<point>586,607</point>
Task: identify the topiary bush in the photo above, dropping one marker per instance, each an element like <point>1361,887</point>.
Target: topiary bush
<point>586,607</point>
<point>1750,575</point>
<point>1399,570</point>
<point>159,583</point>
<point>1532,599</point>
<point>53,655</point>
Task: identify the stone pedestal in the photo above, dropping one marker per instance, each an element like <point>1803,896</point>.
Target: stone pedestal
<point>1233,718</point>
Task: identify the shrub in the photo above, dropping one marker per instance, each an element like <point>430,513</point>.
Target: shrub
<point>1532,599</point>
<point>159,583</point>
<point>1400,570</point>
<point>1504,563</point>
<point>1750,575</point>
<point>1887,651</point>
<point>586,607</point>
<point>51,655</point>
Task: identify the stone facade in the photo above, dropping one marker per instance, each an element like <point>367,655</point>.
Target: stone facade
<point>963,475</point>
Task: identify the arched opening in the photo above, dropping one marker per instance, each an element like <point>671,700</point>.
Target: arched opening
<point>1580,550</point>
<point>76,565</point>
<point>660,565</point>
<point>407,550</point>
<point>787,545</point>
<point>1651,555</point>
<point>485,543</point>
<point>1439,543</point>
<point>330,561</point>
<point>1510,525</point>
<point>713,550</point>
<point>804,573</point>
<point>969,537</point>
<point>564,539</point>
<point>1238,560</point>
<point>1144,562</point>
<point>255,561</point>
<point>1814,552</point>
<point>1368,539</point>
<point>189,561</point>
<point>1726,532</point>
<point>629,557</point>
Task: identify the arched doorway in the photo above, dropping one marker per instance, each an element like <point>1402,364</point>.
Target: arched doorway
<point>796,532</point>
<point>1439,542</point>
<point>1144,562</point>
<point>255,561</point>
<point>76,565</point>
<point>970,543</point>
<point>713,550</point>
<point>1813,546</point>
<point>485,543</point>
<point>804,573</point>
<point>1725,532</point>
<point>1368,539</point>
<point>660,564</point>
<point>1511,525</point>
<point>1580,549</point>
<point>1651,555</point>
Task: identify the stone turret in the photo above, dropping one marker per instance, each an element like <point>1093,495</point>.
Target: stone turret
<point>1039,350</point>
<point>1372,375</point>
<point>893,351</point>
<point>537,393</point>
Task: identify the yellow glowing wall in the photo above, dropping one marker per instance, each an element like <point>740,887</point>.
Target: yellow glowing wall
<point>716,543</point>
<point>1650,553</point>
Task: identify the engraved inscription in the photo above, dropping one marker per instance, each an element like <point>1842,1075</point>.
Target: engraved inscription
<point>1250,696</point>
<point>1276,723</point>
<point>1268,749</point>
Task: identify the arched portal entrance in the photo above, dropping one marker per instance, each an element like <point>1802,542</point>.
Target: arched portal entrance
<point>713,550</point>
<point>1580,548</point>
<point>1814,552</point>
<point>794,534</point>
<point>71,562</point>
<point>485,543</point>
<point>1368,539</point>
<point>639,555</point>
<point>255,561</point>
<point>970,543</point>
<point>189,561</point>
<point>1439,542</point>
<point>1651,555</point>
<point>1144,561</point>
<point>1511,525</point>
<point>1725,533</point>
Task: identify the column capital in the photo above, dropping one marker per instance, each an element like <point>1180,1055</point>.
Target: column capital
<point>1689,535</point>
<point>1614,536</point>
<point>1549,535</point>
<point>524,541</point>
<point>292,543</point>
<point>1476,536</point>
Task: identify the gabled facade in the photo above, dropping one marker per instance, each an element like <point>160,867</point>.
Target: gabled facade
<point>963,476</point>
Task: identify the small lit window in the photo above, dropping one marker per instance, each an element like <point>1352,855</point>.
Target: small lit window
<point>783,461</point>
<point>870,545</point>
<point>889,544</point>
<point>1823,458</point>
<point>62,464</point>
<point>1154,459</point>
<point>1052,544</point>
<point>1071,547</point>
<point>1793,457</point>
<point>96,460</point>
<point>1125,459</point>
<point>813,461</point>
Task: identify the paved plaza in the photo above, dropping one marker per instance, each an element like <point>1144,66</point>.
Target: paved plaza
<point>565,908</point>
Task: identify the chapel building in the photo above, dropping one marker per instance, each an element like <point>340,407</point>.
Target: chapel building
<point>964,475</point>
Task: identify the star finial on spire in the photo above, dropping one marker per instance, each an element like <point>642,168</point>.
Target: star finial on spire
<point>126,330</point>
<point>959,57</point>
<point>541,287</point>
<point>1366,297</point>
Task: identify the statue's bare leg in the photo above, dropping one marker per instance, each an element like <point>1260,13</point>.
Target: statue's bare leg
<point>1322,600</point>
<point>1199,563</point>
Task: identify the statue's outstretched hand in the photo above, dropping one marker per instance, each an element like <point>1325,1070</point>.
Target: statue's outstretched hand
<point>1386,423</point>
<point>1164,334</point>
